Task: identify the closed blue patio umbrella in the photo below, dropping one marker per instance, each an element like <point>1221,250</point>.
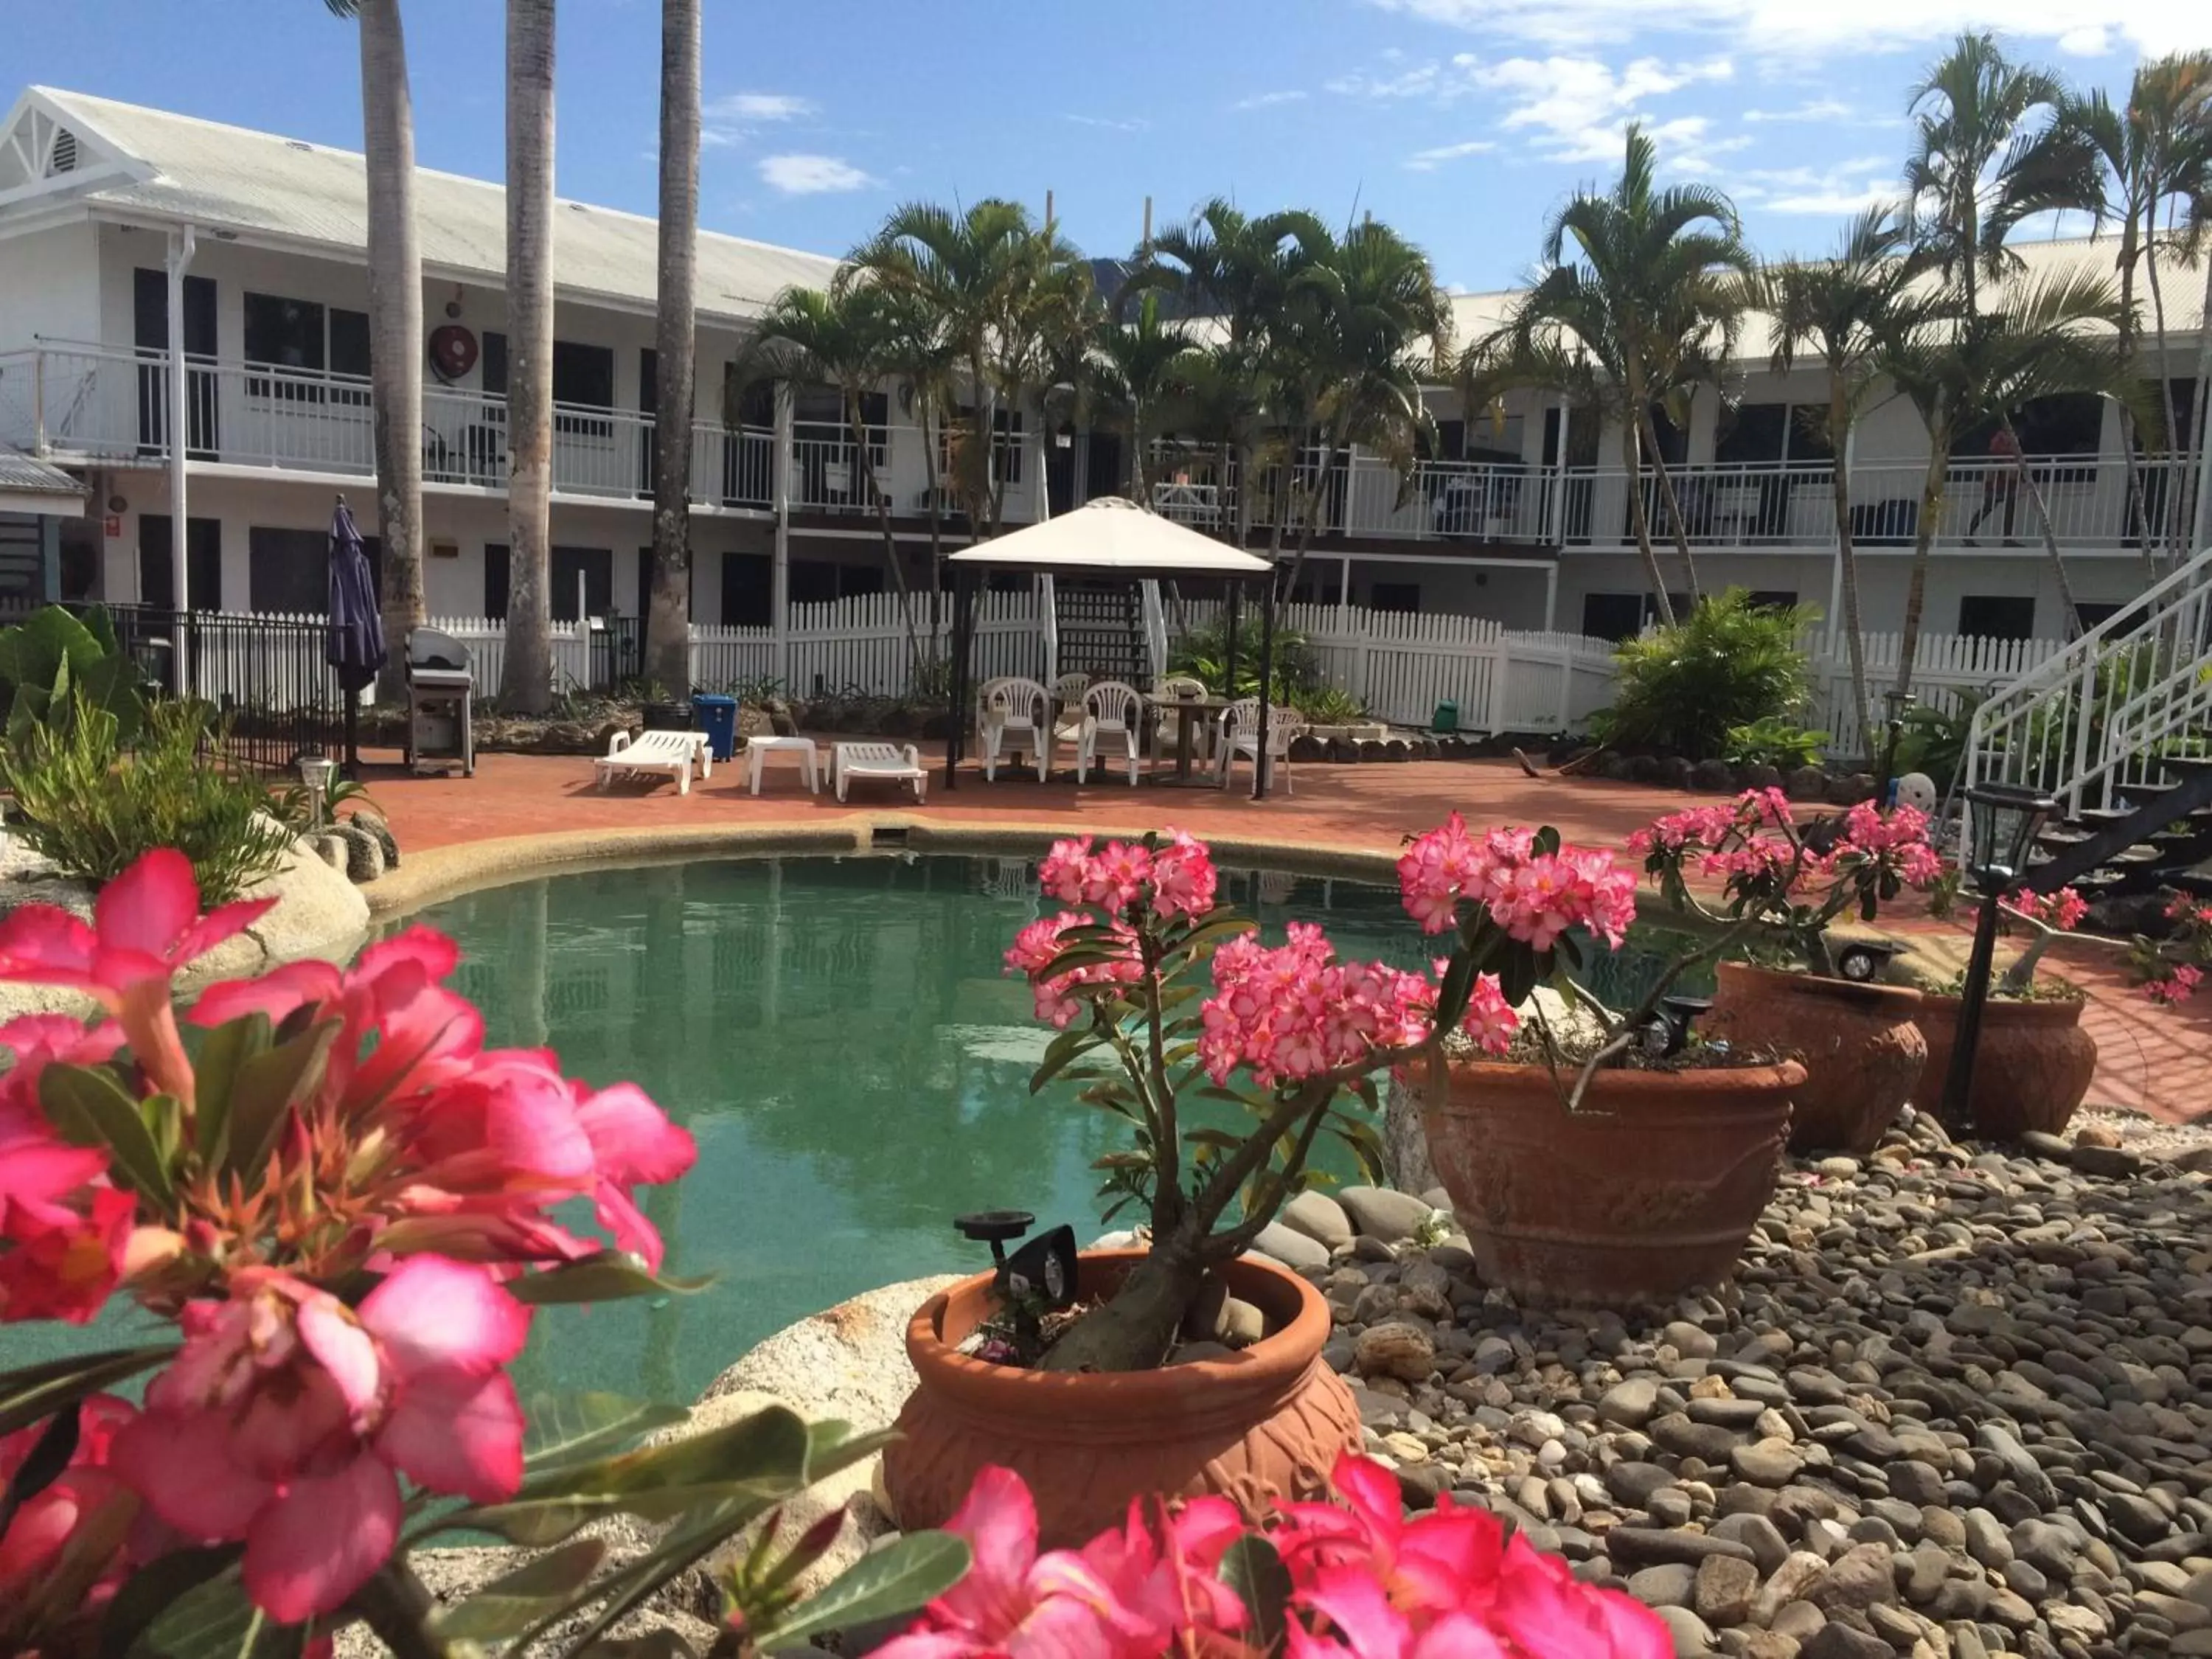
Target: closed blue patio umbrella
<point>356,645</point>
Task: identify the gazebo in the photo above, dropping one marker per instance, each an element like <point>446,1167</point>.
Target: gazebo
<point>1111,537</point>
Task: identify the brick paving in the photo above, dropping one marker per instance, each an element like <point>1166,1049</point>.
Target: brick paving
<point>2149,1059</point>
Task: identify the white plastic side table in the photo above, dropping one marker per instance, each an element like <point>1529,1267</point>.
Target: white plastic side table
<point>757,749</point>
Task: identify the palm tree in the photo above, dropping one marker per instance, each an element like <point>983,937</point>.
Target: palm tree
<point>922,364</point>
<point>1647,284</point>
<point>526,680</point>
<point>1363,322</point>
<point>2154,151</point>
<point>843,338</point>
<point>1239,268</point>
<point>1845,311</point>
<point>2041,339</point>
<point>1126,373</point>
<point>395,317</point>
<point>1008,296</point>
<point>668,611</point>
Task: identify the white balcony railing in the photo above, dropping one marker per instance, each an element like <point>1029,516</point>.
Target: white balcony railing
<point>98,405</point>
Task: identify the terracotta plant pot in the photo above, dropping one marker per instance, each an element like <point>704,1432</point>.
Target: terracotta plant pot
<point>1260,1426</point>
<point>1653,1186</point>
<point>1861,1050</point>
<point>2031,1071</point>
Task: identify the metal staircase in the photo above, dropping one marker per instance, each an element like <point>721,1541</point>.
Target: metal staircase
<point>2118,729</point>
<point>1098,628</point>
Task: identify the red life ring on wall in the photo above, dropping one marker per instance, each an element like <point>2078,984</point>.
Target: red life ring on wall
<point>453,351</point>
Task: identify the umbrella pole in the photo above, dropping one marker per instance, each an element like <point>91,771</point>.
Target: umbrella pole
<point>1266,678</point>
<point>963,631</point>
<point>352,732</point>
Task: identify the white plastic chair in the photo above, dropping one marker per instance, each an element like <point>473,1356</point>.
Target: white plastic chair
<point>1067,716</point>
<point>1015,718</point>
<point>1112,717</point>
<point>1166,722</point>
<point>1241,739</point>
<point>887,761</point>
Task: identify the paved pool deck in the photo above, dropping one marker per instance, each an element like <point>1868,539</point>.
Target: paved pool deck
<point>2152,1060</point>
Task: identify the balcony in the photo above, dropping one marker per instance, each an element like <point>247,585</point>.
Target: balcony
<point>93,405</point>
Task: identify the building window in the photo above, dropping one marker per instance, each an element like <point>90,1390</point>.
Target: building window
<point>310,340</point>
<point>583,377</point>
<point>288,571</point>
<point>748,590</point>
<point>1774,599</point>
<point>1613,616</point>
<point>1998,616</point>
<point>1394,596</point>
<point>1006,444</point>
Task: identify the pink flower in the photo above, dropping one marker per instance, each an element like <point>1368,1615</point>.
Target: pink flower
<point>2064,910</point>
<point>145,924</point>
<point>1293,1011</point>
<point>1059,998</point>
<point>63,1263</point>
<point>37,1167</point>
<point>1183,878</point>
<point>1015,1602</point>
<point>287,1418</point>
<point>632,1143</point>
<point>1490,1019</point>
<point>1534,896</point>
<point>2177,985</point>
<point>84,1493</point>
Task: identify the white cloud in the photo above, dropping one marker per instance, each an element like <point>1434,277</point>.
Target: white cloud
<point>1846,187</point>
<point>812,175</point>
<point>1133,124</point>
<point>1793,27</point>
<point>749,107</point>
<point>1813,109</point>
<point>2092,40</point>
<point>1269,99</point>
<point>1425,160</point>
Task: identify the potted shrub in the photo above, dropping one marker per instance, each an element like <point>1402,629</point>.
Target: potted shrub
<point>2035,1062</point>
<point>1861,1050</point>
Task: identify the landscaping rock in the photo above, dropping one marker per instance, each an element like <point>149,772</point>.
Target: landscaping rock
<point>1757,775</point>
<point>364,852</point>
<point>1675,772</point>
<point>1382,1213</point>
<point>1319,1217</point>
<point>1712,777</point>
<point>1805,783</point>
<point>1395,1348</point>
<point>1291,1248</point>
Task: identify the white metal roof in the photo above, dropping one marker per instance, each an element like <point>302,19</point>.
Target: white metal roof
<point>263,185</point>
<point>30,485</point>
<point>1115,535</point>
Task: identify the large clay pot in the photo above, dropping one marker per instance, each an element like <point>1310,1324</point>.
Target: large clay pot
<point>1261,1426</point>
<point>1653,1185</point>
<point>1861,1050</point>
<point>2031,1068</point>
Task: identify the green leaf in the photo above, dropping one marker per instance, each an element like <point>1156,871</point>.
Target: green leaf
<point>215,1620</point>
<point>609,1276</point>
<point>223,1051</point>
<point>1252,1569</point>
<point>39,1391</point>
<point>832,1445</point>
<point>264,1090</point>
<point>884,1583</point>
<point>88,1107</point>
<point>565,1429</point>
<point>744,1466</point>
<point>49,1456</point>
<point>153,1589</point>
<point>662,1643</point>
<point>1065,1048</point>
<point>511,1604</point>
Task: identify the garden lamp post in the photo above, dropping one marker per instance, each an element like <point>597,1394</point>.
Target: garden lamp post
<point>2001,821</point>
<point>1894,702</point>
<point>315,772</point>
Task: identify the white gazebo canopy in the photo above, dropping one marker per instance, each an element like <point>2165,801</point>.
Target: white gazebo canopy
<point>1113,535</point>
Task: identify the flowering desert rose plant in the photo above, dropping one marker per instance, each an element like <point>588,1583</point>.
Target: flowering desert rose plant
<point>1776,884</point>
<point>342,1203</point>
<point>1289,1032</point>
<point>1354,1580</point>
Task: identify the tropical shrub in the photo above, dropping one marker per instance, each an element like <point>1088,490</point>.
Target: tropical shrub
<point>1772,740</point>
<point>95,810</point>
<point>53,658</point>
<point>301,809</point>
<point>1728,663</point>
<point>1932,738</point>
<point>1330,705</point>
<point>1203,653</point>
<point>344,1205</point>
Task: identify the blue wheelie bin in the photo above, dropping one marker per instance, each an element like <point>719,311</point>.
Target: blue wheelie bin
<point>718,718</point>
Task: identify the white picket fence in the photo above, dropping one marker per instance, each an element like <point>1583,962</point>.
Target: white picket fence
<point>1403,665</point>
<point>1945,666</point>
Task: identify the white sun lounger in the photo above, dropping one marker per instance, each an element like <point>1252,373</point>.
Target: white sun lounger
<point>880,761</point>
<point>656,754</point>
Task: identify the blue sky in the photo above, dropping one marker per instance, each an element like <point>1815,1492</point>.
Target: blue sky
<point>1460,121</point>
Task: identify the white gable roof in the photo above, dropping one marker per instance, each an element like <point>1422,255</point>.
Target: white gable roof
<point>263,184</point>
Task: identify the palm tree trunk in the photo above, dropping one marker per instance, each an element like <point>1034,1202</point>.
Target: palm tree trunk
<point>2199,436</point>
<point>2049,535</point>
<point>1631,441</point>
<point>2138,505</point>
<point>860,431</point>
<point>936,526</point>
<point>526,684</point>
<point>395,328</point>
<point>2165,381</point>
<point>1839,424</point>
<point>668,611</point>
<point>1916,587</point>
<point>1674,508</point>
<point>1224,523</point>
<point>1332,443</point>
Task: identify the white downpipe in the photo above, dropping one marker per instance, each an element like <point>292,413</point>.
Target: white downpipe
<point>182,246</point>
<point>1551,595</point>
<point>779,572</point>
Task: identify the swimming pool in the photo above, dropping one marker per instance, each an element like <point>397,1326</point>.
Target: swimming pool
<point>838,1035</point>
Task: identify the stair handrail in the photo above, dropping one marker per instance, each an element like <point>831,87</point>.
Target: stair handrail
<point>2068,678</point>
<point>1155,630</point>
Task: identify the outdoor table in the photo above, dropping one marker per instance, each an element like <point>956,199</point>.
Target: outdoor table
<point>1182,778</point>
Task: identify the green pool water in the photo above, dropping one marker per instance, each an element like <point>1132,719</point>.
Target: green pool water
<point>839,1037</point>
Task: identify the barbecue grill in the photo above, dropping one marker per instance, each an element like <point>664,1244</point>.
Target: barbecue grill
<point>441,701</point>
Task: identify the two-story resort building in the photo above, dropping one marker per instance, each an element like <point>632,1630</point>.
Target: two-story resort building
<point>133,240</point>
